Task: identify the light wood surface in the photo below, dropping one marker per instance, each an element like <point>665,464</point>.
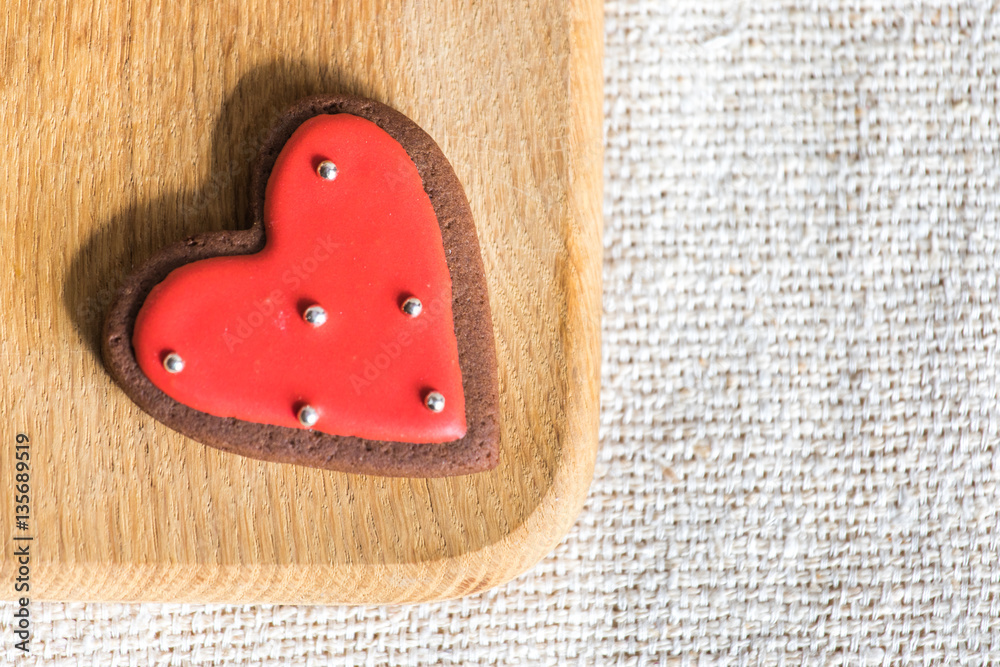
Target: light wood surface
<point>128,125</point>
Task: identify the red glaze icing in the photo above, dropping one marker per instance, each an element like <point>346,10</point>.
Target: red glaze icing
<point>358,246</point>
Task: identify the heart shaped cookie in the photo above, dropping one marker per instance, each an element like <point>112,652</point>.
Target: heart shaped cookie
<point>349,328</point>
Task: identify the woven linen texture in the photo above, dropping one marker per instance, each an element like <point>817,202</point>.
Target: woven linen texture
<point>800,410</point>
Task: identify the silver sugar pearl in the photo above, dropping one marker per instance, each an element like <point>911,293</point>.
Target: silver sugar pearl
<point>173,363</point>
<point>434,401</point>
<point>308,416</point>
<point>412,306</point>
<point>327,170</point>
<point>315,315</point>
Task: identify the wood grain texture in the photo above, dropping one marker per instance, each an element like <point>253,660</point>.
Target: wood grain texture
<point>129,125</point>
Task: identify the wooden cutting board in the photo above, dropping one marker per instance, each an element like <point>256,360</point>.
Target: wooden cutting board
<point>129,125</point>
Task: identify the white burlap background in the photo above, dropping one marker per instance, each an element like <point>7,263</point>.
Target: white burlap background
<point>800,402</point>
